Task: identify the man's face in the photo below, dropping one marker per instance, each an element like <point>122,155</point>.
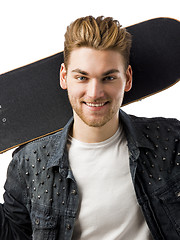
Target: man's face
<point>96,82</point>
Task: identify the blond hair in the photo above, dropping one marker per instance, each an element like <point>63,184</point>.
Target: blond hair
<point>99,33</point>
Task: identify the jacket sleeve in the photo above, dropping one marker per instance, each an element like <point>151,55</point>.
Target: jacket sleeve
<point>15,221</point>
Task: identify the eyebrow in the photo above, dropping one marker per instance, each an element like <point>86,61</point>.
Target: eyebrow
<point>110,72</point>
<point>80,71</point>
<point>104,74</point>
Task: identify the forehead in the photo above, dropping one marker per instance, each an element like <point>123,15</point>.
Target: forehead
<point>95,61</point>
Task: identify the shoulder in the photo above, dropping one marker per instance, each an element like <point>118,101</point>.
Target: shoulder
<point>151,132</point>
<point>37,146</point>
<point>160,124</point>
<point>154,119</point>
<point>31,159</point>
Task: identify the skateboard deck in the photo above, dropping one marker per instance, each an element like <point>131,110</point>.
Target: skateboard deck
<point>33,105</point>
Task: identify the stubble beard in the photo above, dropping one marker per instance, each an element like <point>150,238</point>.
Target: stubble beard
<point>98,121</point>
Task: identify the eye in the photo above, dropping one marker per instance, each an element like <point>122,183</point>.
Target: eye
<point>82,78</point>
<point>109,78</point>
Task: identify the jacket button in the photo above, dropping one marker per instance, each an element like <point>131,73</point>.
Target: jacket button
<point>68,226</point>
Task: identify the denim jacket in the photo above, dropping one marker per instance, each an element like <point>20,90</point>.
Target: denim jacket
<point>41,195</point>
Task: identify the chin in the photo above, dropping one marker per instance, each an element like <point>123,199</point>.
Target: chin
<point>96,122</point>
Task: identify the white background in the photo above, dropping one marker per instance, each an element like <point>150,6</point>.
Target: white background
<point>32,30</point>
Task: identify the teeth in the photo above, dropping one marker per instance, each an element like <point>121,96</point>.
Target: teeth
<point>95,104</point>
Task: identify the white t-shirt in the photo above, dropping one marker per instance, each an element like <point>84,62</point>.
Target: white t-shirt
<point>108,206</point>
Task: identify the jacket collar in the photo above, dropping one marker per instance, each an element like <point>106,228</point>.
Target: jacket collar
<point>59,155</point>
<point>133,127</point>
<point>134,137</point>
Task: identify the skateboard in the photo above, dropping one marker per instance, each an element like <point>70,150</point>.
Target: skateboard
<point>33,105</point>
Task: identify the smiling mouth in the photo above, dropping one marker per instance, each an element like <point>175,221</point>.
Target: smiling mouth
<point>95,104</point>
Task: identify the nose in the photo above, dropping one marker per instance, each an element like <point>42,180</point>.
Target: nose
<point>95,89</point>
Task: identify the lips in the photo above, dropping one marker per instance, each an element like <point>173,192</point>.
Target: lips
<point>95,104</point>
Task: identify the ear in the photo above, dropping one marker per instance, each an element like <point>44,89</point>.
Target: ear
<point>128,79</point>
<point>63,76</point>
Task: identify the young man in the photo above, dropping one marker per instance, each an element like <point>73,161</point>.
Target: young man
<point>106,175</point>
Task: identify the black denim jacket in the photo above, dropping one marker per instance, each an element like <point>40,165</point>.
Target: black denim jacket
<point>41,197</point>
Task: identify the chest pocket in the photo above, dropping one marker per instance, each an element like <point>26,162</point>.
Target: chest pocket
<point>44,222</point>
<point>170,200</point>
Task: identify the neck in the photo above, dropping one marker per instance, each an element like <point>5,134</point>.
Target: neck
<point>85,133</point>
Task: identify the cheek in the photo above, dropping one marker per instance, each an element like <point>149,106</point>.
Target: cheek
<point>117,92</point>
<point>118,96</point>
<point>74,92</point>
